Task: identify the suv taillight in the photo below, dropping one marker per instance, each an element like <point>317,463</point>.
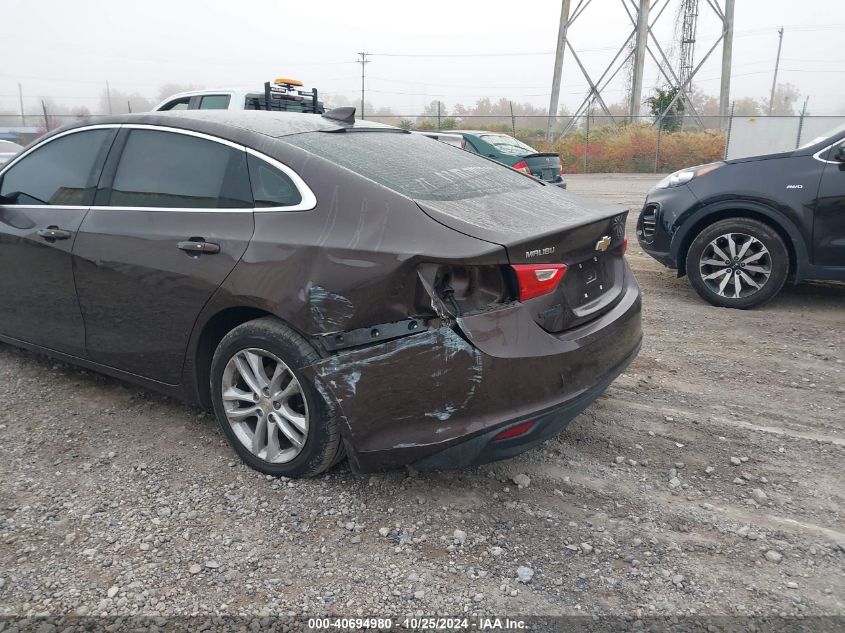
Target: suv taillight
<point>523,167</point>
<point>536,280</point>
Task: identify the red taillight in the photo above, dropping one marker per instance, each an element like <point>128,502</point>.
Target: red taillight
<point>515,431</point>
<point>625,245</point>
<point>523,167</point>
<point>537,279</point>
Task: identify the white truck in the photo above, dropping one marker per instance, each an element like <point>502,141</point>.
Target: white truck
<point>279,95</point>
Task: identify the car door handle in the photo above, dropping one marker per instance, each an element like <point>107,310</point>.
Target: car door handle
<point>192,246</point>
<point>52,233</point>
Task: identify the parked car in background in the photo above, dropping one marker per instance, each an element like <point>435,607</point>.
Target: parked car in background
<point>444,137</point>
<point>281,95</point>
<point>279,269</point>
<point>8,150</point>
<point>513,153</point>
<point>740,228</point>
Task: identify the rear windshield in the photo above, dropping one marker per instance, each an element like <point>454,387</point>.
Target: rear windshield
<point>508,144</point>
<point>414,165</point>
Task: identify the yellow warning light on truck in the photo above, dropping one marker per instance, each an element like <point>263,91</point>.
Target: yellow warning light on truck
<point>287,82</point>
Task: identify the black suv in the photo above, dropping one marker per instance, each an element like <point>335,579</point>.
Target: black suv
<point>740,228</point>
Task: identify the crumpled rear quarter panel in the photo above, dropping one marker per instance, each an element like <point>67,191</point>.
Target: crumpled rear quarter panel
<point>406,399</point>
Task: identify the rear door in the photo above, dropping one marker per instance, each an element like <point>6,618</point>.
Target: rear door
<point>47,193</point>
<point>171,219</point>
<point>214,102</point>
<point>829,221</point>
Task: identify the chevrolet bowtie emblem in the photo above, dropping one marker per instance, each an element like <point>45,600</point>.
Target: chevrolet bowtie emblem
<point>603,243</point>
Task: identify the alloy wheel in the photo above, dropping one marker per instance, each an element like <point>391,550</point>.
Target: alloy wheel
<point>264,405</point>
<point>735,265</point>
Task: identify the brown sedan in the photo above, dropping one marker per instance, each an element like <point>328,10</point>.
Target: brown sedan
<point>326,286</point>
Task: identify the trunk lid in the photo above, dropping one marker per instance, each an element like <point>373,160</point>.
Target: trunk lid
<point>543,165</point>
<point>543,226</point>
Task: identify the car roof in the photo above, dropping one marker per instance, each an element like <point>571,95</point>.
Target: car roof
<point>228,123</point>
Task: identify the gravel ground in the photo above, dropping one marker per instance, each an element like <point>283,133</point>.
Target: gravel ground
<point>707,480</point>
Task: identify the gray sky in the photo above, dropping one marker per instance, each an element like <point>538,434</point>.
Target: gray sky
<point>68,50</point>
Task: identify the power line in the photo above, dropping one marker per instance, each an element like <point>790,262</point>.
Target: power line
<point>448,94</point>
<point>512,54</point>
<point>431,83</point>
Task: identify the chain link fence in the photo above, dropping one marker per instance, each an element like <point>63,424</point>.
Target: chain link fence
<point>591,144</point>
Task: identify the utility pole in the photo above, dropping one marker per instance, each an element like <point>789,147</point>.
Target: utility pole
<point>558,71</point>
<point>108,95</point>
<point>801,123</point>
<point>727,54</point>
<point>513,119</point>
<point>363,61</point>
<point>639,60</point>
<point>775,78</point>
<point>20,98</point>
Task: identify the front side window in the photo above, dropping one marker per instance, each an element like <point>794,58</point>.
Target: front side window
<point>61,172</point>
<point>214,102</point>
<point>172,170</point>
<point>177,104</point>
<point>271,187</point>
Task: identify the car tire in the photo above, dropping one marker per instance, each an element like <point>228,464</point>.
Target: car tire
<point>287,429</point>
<point>737,251</point>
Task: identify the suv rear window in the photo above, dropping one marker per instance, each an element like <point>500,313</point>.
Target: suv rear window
<point>413,165</point>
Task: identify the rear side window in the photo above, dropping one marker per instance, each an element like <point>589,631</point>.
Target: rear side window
<point>62,172</point>
<point>412,165</point>
<point>271,187</point>
<point>214,102</point>
<point>167,169</point>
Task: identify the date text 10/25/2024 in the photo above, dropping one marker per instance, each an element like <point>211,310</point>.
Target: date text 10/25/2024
<point>417,624</point>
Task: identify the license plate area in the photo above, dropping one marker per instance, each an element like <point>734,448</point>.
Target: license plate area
<point>590,280</point>
<point>549,173</point>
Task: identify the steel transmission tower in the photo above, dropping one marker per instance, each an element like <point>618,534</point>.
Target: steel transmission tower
<point>642,46</point>
<point>689,20</point>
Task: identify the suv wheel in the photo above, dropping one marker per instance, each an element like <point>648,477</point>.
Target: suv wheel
<point>273,418</point>
<point>737,263</point>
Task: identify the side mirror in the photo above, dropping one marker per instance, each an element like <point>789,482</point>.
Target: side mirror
<point>12,198</point>
<point>839,154</point>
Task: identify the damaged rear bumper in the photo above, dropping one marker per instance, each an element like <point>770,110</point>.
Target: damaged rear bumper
<point>438,398</point>
<point>486,448</point>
